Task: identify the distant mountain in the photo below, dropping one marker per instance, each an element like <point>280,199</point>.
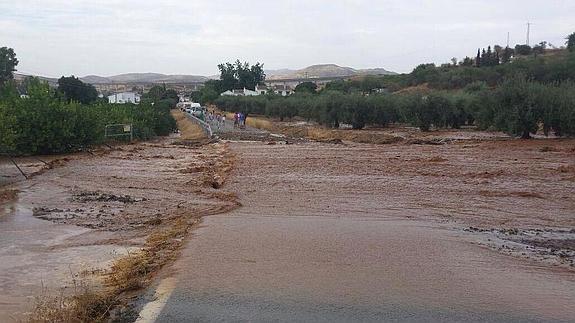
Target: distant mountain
<point>21,77</point>
<point>95,79</point>
<point>323,70</point>
<point>314,71</point>
<point>144,78</point>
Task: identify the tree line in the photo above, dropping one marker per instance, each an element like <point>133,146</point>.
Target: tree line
<point>520,97</point>
<point>518,106</point>
<point>71,118</point>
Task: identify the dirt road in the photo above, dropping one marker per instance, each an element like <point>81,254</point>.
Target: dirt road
<point>394,232</point>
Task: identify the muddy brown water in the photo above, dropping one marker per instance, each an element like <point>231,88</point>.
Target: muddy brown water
<point>35,260</point>
<point>339,234</point>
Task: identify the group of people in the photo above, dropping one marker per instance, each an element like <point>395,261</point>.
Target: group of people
<point>216,120</point>
<point>239,120</point>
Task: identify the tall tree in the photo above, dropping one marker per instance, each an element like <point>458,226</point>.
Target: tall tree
<point>8,63</point>
<point>241,75</point>
<point>74,89</point>
<point>227,76</point>
<point>478,59</point>
<point>571,42</point>
<point>258,73</point>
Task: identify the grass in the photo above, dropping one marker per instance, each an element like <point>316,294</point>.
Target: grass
<point>127,274</point>
<point>84,305</point>
<point>318,133</point>
<point>188,129</point>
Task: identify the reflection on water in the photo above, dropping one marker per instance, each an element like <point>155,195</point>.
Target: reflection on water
<point>362,269</point>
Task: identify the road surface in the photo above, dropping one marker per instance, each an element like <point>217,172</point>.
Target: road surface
<point>327,233</point>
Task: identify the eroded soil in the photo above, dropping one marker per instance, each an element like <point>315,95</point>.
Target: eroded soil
<point>496,186</point>
<point>134,186</point>
<point>358,232</point>
<point>99,206</point>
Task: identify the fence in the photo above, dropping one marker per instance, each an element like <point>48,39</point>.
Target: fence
<point>119,130</point>
<point>205,126</point>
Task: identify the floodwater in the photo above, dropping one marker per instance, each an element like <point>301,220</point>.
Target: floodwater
<point>34,254</point>
<point>257,268</point>
<point>100,207</point>
<point>323,236</point>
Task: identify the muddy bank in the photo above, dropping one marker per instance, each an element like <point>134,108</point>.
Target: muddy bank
<point>81,216</point>
<point>133,187</point>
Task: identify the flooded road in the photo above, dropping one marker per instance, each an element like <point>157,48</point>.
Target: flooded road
<point>338,234</point>
<point>257,268</point>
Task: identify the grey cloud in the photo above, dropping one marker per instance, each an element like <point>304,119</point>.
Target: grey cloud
<point>176,36</point>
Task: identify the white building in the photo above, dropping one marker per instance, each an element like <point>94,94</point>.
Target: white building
<point>282,89</point>
<point>124,97</point>
<point>260,90</point>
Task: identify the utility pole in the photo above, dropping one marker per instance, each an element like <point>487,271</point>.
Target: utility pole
<point>507,39</point>
<point>528,31</point>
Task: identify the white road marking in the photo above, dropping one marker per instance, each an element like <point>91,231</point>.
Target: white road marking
<point>152,310</point>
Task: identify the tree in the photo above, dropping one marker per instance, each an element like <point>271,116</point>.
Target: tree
<point>258,73</point>
<point>241,75</point>
<point>306,87</point>
<point>75,90</point>
<point>209,92</point>
<point>467,61</point>
<point>522,50</point>
<point>424,73</point>
<point>517,110</point>
<point>540,48</point>
<point>571,42</point>
<point>506,55</point>
<point>8,63</point>
<point>227,76</point>
<point>478,59</point>
<point>489,55</point>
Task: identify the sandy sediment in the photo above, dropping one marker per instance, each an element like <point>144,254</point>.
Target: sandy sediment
<point>493,185</point>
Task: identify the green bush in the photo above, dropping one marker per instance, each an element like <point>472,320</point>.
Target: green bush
<point>44,124</point>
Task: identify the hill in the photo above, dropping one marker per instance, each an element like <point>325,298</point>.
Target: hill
<point>323,70</point>
<point>144,78</point>
<point>20,77</point>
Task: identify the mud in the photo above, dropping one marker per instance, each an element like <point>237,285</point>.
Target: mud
<point>80,215</point>
<point>353,232</point>
<point>491,185</point>
<point>130,187</point>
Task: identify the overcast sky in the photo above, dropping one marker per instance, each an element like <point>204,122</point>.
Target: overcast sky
<point>105,37</point>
